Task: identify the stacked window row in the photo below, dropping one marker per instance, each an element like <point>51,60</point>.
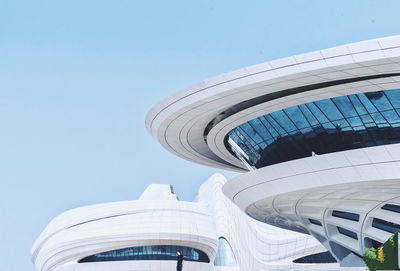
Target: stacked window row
<point>377,223</point>
<point>330,125</point>
<point>160,252</point>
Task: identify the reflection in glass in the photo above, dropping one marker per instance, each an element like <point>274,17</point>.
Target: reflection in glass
<point>325,126</point>
<point>160,252</point>
<point>225,255</point>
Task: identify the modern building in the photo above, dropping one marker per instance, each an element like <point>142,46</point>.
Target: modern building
<point>145,234</point>
<point>317,136</point>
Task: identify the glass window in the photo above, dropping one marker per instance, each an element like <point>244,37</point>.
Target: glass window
<point>358,105</point>
<point>345,106</point>
<point>391,116</point>
<point>391,207</point>
<point>346,215</point>
<point>251,132</point>
<point>329,108</point>
<point>329,127</point>
<point>317,113</point>
<point>348,233</point>
<point>260,128</point>
<point>326,126</point>
<point>372,243</point>
<point>297,117</point>
<point>394,97</point>
<point>269,127</point>
<point>339,124</point>
<point>161,252</point>
<point>379,100</point>
<point>322,257</point>
<point>281,118</point>
<point>385,225</point>
<point>276,126</point>
<point>315,222</point>
<point>367,103</point>
<point>225,255</point>
<point>367,119</point>
<point>355,121</point>
<point>308,115</point>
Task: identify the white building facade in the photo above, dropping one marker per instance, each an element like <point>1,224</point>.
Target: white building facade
<point>317,136</point>
<point>145,234</point>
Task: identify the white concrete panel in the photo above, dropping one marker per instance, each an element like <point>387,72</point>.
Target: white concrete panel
<point>354,60</point>
<point>158,218</point>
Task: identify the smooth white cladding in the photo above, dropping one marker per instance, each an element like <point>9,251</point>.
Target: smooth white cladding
<point>181,122</point>
<point>89,230</point>
<point>158,192</point>
<point>341,198</point>
<point>306,193</point>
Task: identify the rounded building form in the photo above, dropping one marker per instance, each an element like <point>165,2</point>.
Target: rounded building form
<point>145,235</point>
<point>318,133</point>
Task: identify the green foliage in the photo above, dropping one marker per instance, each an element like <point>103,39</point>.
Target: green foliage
<point>370,259</point>
<point>370,253</point>
<point>390,253</point>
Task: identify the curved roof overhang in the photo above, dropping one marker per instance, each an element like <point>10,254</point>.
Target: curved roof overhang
<point>181,122</point>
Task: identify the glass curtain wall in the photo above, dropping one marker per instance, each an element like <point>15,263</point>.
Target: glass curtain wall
<point>159,252</point>
<point>325,126</point>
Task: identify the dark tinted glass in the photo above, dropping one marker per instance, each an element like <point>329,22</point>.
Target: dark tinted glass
<point>315,222</point>
<point>385,225</point>
<point>391,207</point>
<point>348,233</point>
<point>346,215</point>
<point>322,257</point>
<point>153,253</point>
<point>330,125</point>
<point>372,243</point>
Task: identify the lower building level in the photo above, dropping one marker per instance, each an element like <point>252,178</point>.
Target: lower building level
<point>145,234</point>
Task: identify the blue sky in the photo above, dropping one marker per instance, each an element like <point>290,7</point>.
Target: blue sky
<point>78,77</point>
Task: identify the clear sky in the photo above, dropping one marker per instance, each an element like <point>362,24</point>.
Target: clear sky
<point>78,77</point>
